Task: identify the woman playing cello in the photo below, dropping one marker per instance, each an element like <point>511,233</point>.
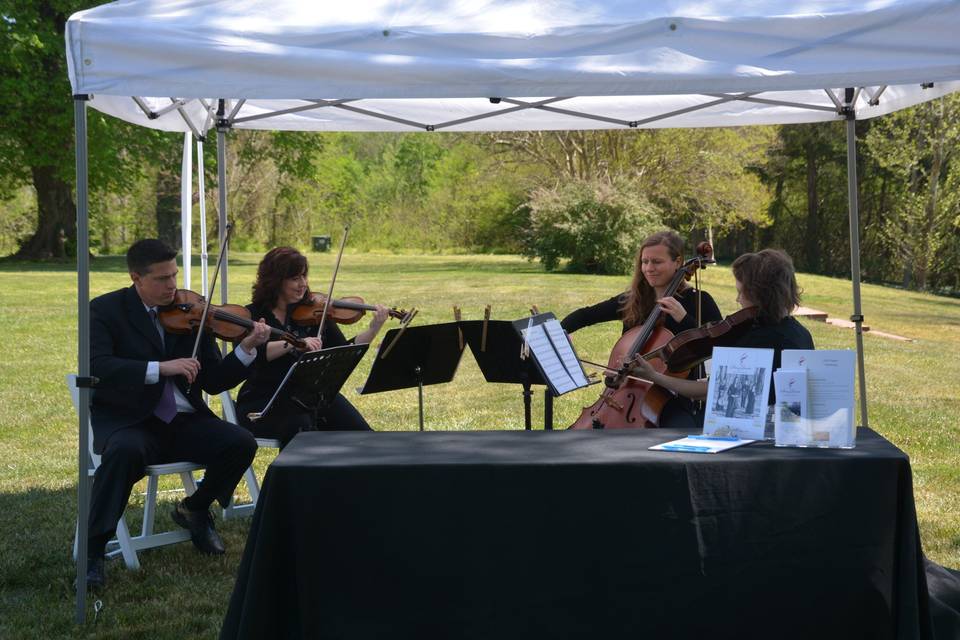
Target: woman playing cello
<point>280,286</point>
<point>658,259</point>
<point>764,280</point>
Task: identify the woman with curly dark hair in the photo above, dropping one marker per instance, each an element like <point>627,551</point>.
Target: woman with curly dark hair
<point>280,285</point>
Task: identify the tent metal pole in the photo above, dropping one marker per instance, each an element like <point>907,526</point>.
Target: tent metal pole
<point>186,209</point>
<point>83,351</point>
<point>201,190</point>
<point>854,211</point>
<point>222,127</point>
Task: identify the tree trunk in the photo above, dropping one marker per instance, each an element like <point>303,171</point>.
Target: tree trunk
<point>168,209</point>
<point>812,239</point>
<point>56,234</point>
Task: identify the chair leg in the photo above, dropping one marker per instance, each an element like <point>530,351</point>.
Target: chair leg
<point>149,506</point>
<point>126,544</point>
<point>234,510</point>
<point>189,484</point>
<point>253,486</point>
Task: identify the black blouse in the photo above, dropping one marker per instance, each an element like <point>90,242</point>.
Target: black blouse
<point>266,375</point>
<point>609,310</point>
<point>786,334</point>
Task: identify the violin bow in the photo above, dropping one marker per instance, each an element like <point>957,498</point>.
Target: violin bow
<point>336,268</point>
<point>213,285</point>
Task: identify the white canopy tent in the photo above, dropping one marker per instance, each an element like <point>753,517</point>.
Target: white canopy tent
<point>459,65</point>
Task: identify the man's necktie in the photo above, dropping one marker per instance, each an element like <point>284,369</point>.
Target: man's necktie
<point>166,408</point>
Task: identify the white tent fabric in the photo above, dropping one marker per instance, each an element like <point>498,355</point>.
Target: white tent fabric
<point>433,63</point>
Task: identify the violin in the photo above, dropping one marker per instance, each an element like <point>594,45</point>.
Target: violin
<point>628,401</point>
<point>689,348</point>
<point>227,321</point>
<point>345,310</point>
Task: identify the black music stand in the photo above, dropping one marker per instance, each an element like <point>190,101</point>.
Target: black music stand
<point>423,355</point>
<point>315,379</point>
<point>551,391</point>
<point>499,360</point>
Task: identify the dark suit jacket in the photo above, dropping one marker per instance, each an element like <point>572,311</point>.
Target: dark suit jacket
<point>123,339</point>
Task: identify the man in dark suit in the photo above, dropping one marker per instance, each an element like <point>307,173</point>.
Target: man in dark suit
<point>147,406</point>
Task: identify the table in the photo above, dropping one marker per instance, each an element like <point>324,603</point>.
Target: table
<point>582,534</point>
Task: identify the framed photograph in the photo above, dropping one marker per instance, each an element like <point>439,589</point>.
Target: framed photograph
<point>737,392</point>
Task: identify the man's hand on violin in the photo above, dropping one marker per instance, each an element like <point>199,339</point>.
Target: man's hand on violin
<point>672,306</point>
<point>258,335</point>
<point>186,367</point>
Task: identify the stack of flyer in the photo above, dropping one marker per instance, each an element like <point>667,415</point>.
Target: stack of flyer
<point>814,399</point>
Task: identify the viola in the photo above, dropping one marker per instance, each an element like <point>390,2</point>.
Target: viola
<point>627,401</point>
<point>689,348</point>
<point>227,321</point>
<point>345,310</point>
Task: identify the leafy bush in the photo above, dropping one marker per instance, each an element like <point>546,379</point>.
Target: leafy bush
<point>596,225</point>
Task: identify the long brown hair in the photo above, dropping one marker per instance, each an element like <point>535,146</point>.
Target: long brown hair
<point>278,265</point>
<point>768,280</point>
<point>638,302</point>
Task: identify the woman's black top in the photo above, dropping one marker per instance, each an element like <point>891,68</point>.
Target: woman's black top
<point>786,334</point>
<point>609,310</point>
<point>266,375</point>
<point>680,411</point>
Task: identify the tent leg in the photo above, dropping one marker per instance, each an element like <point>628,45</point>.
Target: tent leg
<point>83,350</point>
<point>854,212</point>
<point>201,189</point>
<point>186,209</point>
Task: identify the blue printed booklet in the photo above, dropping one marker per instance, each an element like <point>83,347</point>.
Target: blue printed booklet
<point>702,444</point>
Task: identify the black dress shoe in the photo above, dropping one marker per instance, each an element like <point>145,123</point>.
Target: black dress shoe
<point>96,577</point>
<point>200,525</point>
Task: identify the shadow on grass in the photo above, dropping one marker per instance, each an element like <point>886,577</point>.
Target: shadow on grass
<point>177,592</point>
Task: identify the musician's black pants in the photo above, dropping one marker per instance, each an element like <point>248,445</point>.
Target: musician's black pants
<point>224,449</point>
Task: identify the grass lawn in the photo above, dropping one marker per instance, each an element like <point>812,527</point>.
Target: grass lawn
<point>913,390</point>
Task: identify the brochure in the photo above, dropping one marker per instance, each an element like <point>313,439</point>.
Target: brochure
<point>702,444</point>
<point>790,413</point>
<point>830,394</point>
<point>737,392</point>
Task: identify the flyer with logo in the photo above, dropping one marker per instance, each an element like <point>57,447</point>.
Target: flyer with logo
<point>829,394</point>
<point>737,392</point>
<point>790,412</point>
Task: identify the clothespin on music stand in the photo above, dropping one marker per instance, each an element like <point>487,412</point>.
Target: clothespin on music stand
<point>525,349</point>
<point>483,333</point>
<point>403,327</point>
<point>457,317</point>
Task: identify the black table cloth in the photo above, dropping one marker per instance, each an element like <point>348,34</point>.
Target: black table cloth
<point>579,535</point>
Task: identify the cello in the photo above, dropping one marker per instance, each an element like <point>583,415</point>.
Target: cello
<point>628,402</point>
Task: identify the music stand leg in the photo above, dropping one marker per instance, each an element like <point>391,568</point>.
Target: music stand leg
<point>420,394</point>
<point>527,394</point>
<point>547,410</point>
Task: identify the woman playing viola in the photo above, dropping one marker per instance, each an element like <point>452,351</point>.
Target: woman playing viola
<point>658,259</point>
<point>765,280</point>
<point>281,284</point>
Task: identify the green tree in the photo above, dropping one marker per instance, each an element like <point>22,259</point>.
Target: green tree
<point>596,225</point>
<point>36,124</point>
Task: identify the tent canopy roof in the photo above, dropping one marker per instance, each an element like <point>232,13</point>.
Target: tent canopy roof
<point>434,64</point>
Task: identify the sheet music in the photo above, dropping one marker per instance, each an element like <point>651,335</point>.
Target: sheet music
<point>552,350</point>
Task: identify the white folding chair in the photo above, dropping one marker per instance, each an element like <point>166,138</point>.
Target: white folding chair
<point>125,544</point>
<point>234,510</point>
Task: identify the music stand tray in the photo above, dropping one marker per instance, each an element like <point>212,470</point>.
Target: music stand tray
<point>315,379</point>
<point>499,360</point>
<point>422,355</point>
